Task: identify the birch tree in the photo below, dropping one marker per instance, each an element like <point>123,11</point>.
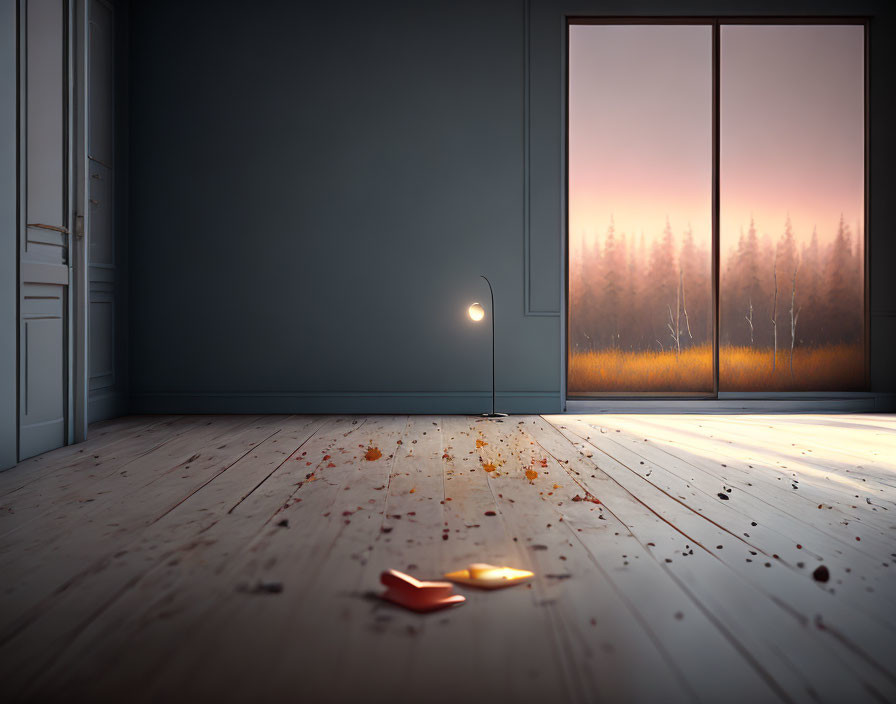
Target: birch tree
<point>674,323</point>
<point>775,316</point>
<point>749,319</point>
<point>794,317</point>
<point>675,332</point>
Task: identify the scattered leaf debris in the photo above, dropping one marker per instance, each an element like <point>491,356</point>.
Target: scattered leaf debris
<point>261,587</point>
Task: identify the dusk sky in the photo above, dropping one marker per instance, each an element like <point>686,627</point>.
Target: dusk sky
<point>792,129</point>
<point>640,128</point>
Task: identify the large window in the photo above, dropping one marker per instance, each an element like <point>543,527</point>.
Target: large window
<point>716,198</point>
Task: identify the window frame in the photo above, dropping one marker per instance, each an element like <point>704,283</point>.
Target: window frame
<point>715,22</point>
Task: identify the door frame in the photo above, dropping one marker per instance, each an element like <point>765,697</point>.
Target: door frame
<point>79,281</point>
<point>715,21</point>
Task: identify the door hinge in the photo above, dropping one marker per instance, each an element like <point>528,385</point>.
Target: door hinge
<point>79,226</point>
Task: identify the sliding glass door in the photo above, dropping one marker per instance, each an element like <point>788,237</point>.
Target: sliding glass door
<point>715,208</point>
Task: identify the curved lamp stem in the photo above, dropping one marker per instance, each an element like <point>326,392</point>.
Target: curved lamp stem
<point>493,414</point>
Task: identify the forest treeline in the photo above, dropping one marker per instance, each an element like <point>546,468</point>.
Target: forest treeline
<point>629,296</point>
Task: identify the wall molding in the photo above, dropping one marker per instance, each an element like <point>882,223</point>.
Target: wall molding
<point>528,310</point>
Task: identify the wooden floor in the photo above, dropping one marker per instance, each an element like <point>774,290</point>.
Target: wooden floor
<point>236,558</point>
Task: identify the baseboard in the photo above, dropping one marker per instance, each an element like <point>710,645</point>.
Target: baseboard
<point>437,402</point>
<point>518,402</point>
<point>106,406</point>
<point>745,403</point>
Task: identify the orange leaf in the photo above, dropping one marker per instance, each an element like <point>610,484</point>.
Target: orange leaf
<point>373,453</point>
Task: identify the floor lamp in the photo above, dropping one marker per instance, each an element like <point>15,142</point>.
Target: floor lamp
<point>477,313</point>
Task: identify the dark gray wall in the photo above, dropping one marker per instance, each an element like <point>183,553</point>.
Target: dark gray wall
<point>316,187</point>
<point>314,193</point>
<point>8,235</point>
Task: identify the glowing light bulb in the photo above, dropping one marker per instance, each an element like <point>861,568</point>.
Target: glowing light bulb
<point>476,312</point>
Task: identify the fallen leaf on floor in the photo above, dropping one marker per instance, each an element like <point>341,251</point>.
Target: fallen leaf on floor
<point>821,574</point>
<point>404,590</point>
<point>373,453</point>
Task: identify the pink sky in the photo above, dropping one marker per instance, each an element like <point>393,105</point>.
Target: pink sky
<point>640,112</point>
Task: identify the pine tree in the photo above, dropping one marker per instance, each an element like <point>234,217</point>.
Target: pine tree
<point>663,278</point>
<point>810,277</point>
<point>838,301</point>
<point>694,263</point>
<point>787,254</point>
<point>612,289</point>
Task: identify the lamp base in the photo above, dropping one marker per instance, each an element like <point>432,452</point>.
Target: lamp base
<point>492,415</point>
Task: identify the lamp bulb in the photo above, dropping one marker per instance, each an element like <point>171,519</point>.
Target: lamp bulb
<point>476,312</point>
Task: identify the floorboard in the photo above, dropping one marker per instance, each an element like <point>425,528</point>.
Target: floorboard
<point>235,558</point>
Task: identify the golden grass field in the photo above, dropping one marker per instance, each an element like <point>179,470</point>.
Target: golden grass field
<point>829,368</point>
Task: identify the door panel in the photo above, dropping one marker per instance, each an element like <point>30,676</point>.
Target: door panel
<point>44,247</point>
<point>45,97</point>
<point>102,327</point>
<point>43,375</point>
<point>102,243</point>
<point>101,134</point>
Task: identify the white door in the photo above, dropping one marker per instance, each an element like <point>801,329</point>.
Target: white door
<point>44,256</point>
